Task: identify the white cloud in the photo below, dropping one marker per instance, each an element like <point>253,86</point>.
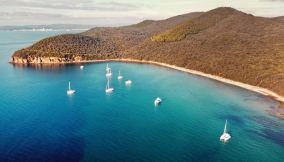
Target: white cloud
<point>114,12</point>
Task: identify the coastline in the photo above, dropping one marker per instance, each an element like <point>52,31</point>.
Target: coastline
<point>262,91</point>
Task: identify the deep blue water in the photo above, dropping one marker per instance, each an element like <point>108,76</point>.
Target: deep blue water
<point>39,122</point>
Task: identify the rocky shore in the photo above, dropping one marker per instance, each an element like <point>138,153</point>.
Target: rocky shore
<point>45,60</point>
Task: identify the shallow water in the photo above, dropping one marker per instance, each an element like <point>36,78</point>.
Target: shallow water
<point>39,122</point>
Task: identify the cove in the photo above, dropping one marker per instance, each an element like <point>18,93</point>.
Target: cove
<point>39,122</point>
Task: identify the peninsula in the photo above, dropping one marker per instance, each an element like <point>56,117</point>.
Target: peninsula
<point>224,43</point>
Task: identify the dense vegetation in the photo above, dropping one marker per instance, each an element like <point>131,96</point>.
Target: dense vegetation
<point>223,42</point>
<point>180,32</point>
<point>193,26</point>
<point>69,46</point>
<point>143,23</point>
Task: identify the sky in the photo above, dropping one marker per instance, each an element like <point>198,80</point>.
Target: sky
<point>120,12</point>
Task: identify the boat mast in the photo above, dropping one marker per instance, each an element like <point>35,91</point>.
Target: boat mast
<point>108,84</point>
<point>108,69</point>
<point>69,86</point>
<point>225,129</point>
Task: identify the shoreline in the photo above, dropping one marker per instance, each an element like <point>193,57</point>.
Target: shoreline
<point>262,91</point>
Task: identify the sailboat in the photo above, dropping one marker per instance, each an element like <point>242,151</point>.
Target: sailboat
<point>70,91</point>
<point>81,67</point>
<point>128,82</point>
<point>108,71</point>
<point>119,76</point>
<point>157,101</point>
<point>225,136</point>
<point>108,89</point>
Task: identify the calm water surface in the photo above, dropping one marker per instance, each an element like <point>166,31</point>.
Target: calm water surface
<point>39,122</point>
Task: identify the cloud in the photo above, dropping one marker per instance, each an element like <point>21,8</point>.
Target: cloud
<point>24,12</point>
<point>64,11</point>
<point>9,15</point>
<point>272,0</point>
<point>32,18</point>
<point>72,5</point>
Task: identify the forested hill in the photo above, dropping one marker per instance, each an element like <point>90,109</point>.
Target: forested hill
<point>223,42</point>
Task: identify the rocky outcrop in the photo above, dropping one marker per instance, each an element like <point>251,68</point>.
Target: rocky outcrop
<point>45,60</point>
<point>18,60</point>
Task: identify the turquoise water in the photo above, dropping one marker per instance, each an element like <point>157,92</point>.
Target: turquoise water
<point>39,122</point>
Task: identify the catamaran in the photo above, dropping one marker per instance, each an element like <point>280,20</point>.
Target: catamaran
<point>70,91</point>
<point>225,136</point>
<point>119,76</point>
<point>157,101</point>
<point>108,89</point>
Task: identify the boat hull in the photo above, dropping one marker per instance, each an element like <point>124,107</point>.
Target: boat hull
<point>70,92</point>
<point>129,82</point>
<point>109,90</point>
<point>225,137</point>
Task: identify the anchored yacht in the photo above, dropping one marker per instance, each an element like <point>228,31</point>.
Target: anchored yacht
<point>70,91</point>
<point>108,88</point>
<point>119,76</point>
<point>128,82</point>
<point>225,136</point>
<point>157,101</point>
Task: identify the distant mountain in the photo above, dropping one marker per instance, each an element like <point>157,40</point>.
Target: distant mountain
<point>48,27</point>
<point>223,42</point>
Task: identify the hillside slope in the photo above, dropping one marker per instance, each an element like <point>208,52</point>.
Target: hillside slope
<point>223,42</point>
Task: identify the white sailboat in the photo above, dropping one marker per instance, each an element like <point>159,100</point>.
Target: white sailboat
<point>157,101</point>
<point>108,71</point>
<point>119,76</point>
<point>225,136</point>
<point>81,67</point>
<point>70,91</point>
<point>108,89</point>
<point>128,82</point>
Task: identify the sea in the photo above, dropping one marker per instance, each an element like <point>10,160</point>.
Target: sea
<point>39,122</point>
